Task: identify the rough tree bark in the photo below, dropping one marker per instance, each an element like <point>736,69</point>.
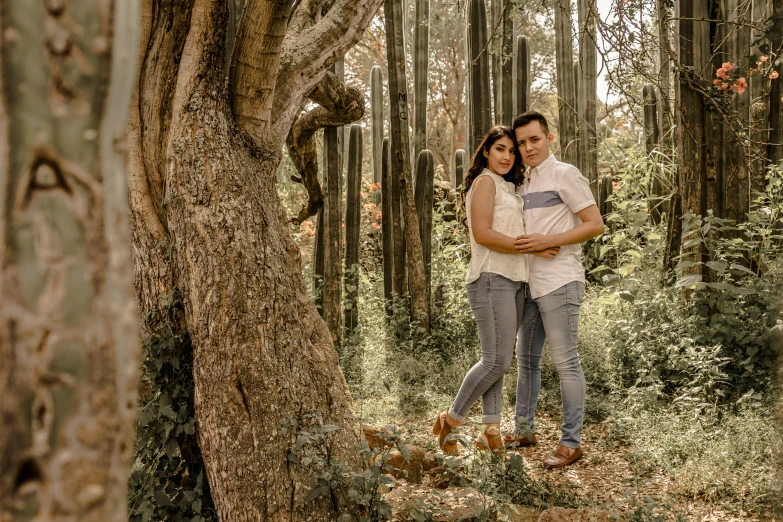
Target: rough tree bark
<point>207,222</point>
<point>69,349</point>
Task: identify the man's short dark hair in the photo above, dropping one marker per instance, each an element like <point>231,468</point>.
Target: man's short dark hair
<point>529,117</point>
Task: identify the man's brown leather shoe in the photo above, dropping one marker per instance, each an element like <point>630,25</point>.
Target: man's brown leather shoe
<point>514,441</point>
<point>563,456</point>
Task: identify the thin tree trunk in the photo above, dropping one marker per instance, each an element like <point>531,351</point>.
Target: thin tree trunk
<point>69,349</point>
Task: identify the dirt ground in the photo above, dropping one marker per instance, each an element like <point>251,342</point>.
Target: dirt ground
<point>603,478</point>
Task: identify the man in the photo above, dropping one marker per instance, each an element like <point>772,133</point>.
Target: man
<point>559,211</point>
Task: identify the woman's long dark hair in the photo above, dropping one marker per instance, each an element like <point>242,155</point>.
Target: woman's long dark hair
<point>479,162</point>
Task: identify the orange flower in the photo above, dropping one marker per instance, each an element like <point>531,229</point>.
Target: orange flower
<point>378,216</point>
<point>375,186</point>
<point>721,73</point>
<point>740,86</point>
<point>376,226</point>
<point>369,206</point>
<point>727,66</point>
<point>716,81</point>
<point>773,75</point>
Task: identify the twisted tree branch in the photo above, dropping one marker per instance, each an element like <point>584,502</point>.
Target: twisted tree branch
<point>338,105</point>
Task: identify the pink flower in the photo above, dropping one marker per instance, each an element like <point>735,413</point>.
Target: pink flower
<point>378,216</point>
<point>721,73</point>
<point>716,82</point>
<point>773,75</point>
<point>376,226</point>
<point>727,66</point>
<point>740,86</point>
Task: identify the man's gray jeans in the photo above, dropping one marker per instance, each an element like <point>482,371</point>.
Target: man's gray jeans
<point>553,317</point>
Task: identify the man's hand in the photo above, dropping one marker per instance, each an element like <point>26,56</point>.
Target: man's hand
<point>530,243</point>
<point>549,253</point>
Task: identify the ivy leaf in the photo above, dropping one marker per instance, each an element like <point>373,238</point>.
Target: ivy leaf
<point>163,499</point>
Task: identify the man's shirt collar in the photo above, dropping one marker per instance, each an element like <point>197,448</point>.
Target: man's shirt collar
<point>543,166</point>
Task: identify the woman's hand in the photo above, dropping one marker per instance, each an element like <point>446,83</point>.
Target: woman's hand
<point>549,253</point>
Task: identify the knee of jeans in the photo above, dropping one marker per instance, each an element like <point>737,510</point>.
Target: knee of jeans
<point>569,364</point>
<point>496,368</point>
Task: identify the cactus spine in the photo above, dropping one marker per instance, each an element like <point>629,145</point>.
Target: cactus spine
<point>353,206</point>
<point>565,81</point>
<point>459,167</point>
<point>479,96</point>
<point>425,180</point>
<point>522,88</point>
<point>421,50</point>
<point>376,107</point>
<point>387,226</point>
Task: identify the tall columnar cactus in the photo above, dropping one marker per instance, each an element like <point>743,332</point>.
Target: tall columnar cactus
<point>318,262</point>
<point>421,50</point>
<point>665,116</point>
<point>522,77</point>
<point>459,167</point>
<point>387,226</point>
<point>502,68</point>
<point>693,49</point>
<point>652,137</point>
<point>332,230</point>
<point>565,81</point>
<point>353,206</point>
<point>479,96</point>
<point>425,181</point>
<point>604,192</point>
<point>376,107</point>
<point>235,9</point>
<point>775,147</point>
<point>401,164</point>
<point>586,88</point>
<point>577,144</point>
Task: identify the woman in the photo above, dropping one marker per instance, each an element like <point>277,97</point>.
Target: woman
<point>497,281</point>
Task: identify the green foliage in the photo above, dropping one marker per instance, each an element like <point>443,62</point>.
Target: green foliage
<point>718,457</point>
<point>357,495</point>
<point>167,480</point>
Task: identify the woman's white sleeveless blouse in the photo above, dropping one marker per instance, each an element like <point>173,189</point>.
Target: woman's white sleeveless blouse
<point>506,219</point>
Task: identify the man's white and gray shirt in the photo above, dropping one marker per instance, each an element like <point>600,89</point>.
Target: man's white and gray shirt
<point>554,192</point>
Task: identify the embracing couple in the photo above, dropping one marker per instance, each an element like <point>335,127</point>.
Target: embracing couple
<point>526,215</point>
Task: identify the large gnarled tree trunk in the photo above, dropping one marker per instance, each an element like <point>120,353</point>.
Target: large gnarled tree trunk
<point>207,223</point>
<point>69,344</point>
